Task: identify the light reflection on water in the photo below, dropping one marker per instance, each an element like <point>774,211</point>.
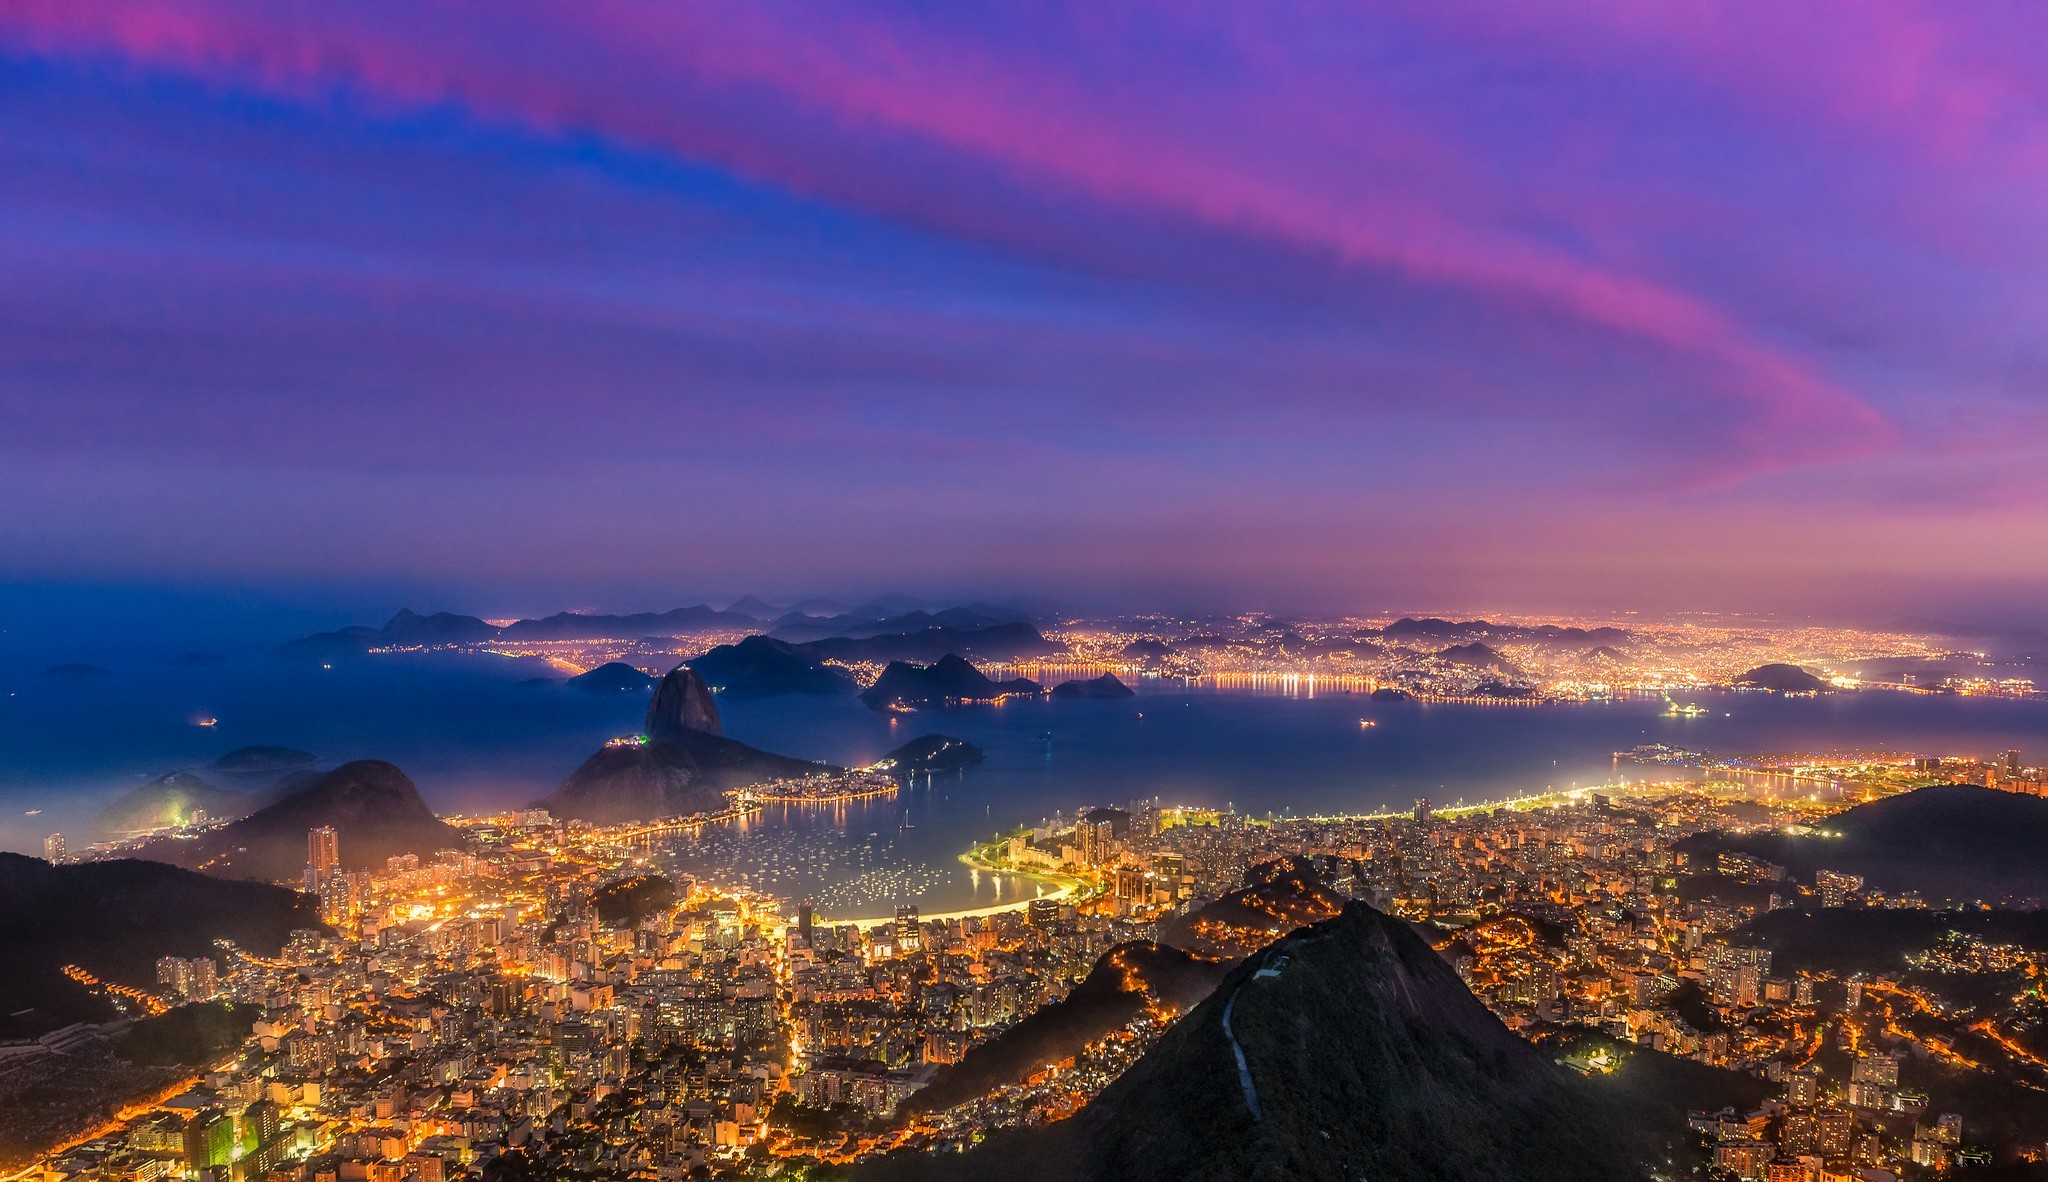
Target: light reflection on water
<point>472,736</point>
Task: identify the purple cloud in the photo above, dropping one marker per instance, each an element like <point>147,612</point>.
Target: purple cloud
<point>1476,249</point>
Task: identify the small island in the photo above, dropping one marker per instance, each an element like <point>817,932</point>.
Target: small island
<point>1782,679</point>
<point>1105,686</point>
<point>929,753</point>
<point>951,681</point>
<point>762,667</point>
<point>612,677</point>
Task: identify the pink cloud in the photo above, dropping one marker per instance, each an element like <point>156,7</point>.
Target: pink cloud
<point>668,77</point>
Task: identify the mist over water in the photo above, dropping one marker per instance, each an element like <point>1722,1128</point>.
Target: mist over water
<point>472,735</point>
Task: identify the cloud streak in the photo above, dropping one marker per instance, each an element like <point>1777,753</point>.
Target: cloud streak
<point>1033,124</point>
<point>1478,247</point>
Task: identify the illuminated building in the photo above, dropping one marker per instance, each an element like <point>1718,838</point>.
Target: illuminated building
<point>209,1140</point>
<point>323,849</point>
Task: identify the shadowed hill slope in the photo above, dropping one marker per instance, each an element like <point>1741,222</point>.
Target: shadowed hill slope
<point>1346,1050</point>
<point>1129,979</point>
<point>762,666</point>
<point>1278,897</point>
<point>374,806</point>
<point>170,801</point>
<point>1947,841</point>
<point>1194,952</point>
<point>115,919</point>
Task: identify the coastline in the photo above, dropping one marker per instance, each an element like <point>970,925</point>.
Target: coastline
<point>1064,886</point>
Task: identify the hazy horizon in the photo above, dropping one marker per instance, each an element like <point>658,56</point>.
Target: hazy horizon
<point>46,620</point>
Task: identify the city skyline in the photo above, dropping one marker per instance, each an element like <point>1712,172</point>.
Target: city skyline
<point>1472,306</point>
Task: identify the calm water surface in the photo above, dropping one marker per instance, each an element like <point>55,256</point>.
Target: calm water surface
<point>471,735</point>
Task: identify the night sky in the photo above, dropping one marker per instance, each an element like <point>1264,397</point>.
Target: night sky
<point>515,306</point>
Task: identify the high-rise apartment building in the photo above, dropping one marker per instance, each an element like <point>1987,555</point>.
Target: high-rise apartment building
<point>323,849</point>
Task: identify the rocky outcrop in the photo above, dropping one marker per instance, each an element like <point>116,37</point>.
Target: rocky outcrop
<point>651,778</point>
<point>682,703</point>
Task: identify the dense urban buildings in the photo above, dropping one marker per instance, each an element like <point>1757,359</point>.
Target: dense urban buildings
<point>546,993</point>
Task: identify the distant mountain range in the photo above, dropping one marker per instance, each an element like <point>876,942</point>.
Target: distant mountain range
<point>950,680</point>
<point>376,809</point>
<point>991,632</point>
<point>575,626</point>
<point>993,642</point>
<point>409,629</point>
<point>1408,629</point>
<point>875,620</point>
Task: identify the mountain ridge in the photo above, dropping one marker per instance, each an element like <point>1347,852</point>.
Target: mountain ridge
<point>374,806</point>
<point>1346,1049</point>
